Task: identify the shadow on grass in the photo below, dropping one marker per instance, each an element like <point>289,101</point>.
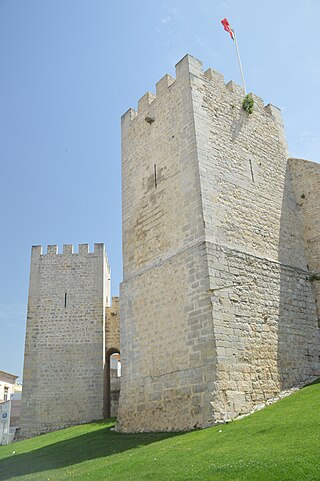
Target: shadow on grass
<point>97,444</point>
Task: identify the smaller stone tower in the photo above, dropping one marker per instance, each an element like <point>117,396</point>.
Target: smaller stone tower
<point>65,339</point>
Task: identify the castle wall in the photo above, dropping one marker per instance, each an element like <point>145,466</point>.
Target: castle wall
<point>305,178</point>
<point>161,205</point>
<point>112,333</point>
<point>167,346</point>
<point>265,326</point>
<point>217,310</point>
<point>166,328</point>
<point>64,351</point>
<point>242,165</point>
<point>112,345</point>
<point>264,311</point>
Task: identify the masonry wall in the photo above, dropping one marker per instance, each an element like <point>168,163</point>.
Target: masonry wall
<point>65,338</point>
<point>266,331</point>
<point>112,345</point>
<point>218,313</point>
<point>242,163</point>
<point>15,413</point>
<point>305,179</point>
<point>167,357</point>
<point>264,310</point>
<point>112,334</point>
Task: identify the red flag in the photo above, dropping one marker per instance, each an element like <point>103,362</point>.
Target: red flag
<point>227,27</point>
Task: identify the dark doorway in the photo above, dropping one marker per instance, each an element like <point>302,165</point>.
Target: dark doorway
<point>112,383</point>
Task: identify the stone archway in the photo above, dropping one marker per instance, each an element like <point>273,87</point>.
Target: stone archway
<point>112,382</point>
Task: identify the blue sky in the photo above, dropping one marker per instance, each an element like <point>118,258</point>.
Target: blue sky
<point>70,68</point>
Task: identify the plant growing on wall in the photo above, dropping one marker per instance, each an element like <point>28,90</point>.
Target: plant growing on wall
<point>248,104</point>
<point>314,277</point>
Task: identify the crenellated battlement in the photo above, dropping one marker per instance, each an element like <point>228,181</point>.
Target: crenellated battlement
<point>191,66</point>
<point>220,295</point>
<point>217,299</point>
<point>67,249</point>
<point>68,295</point>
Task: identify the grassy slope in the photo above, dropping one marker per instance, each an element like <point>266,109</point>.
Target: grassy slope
<point>282,442</point>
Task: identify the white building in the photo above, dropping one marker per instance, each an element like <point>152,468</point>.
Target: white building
<point>7,386</point>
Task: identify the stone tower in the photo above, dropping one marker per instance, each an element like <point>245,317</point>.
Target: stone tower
<point>218,302</point>
<point>63,381</point>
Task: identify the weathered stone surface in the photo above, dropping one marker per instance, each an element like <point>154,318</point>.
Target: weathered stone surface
<point>112,330</point>
<point>112,383</point>
<point>221,262</point>
<point>305,179</point>
<point>63,381</point>
<point>218,313</point>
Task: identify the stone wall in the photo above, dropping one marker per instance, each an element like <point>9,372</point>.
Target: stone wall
<point>266,331</point>
<point>165,287</point>
<point>114,396</point>
<point>112,345</point>
<point>15,413</point>
<point>113,325</point>
<point>264,310</point>
<point>65,338</point>
<point>242,167</point>
<point>167,346</point>
<point>305,178</point>
<point>217,309</point>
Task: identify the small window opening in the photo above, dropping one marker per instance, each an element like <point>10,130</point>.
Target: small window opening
<point>6,393</point>
<point>65,299</point>
<point>251,170</point>
<point>155,176</point>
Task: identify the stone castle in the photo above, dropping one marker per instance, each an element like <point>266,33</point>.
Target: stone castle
<point>72,328</point>
<point>221,271</point>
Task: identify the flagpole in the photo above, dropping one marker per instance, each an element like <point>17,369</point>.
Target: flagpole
<point>239,60</point>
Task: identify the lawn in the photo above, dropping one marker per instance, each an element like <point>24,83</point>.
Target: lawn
<point>281,442</point>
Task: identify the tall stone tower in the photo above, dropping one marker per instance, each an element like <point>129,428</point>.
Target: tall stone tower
<point>218,305</point>
<point>63,380</point>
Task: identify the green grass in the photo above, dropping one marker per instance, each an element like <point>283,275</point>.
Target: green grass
<point>281,442</point>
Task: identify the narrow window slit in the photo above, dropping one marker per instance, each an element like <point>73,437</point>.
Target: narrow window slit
<point>251,170</point>
<point>155,176</point>
<point>65,299</point>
